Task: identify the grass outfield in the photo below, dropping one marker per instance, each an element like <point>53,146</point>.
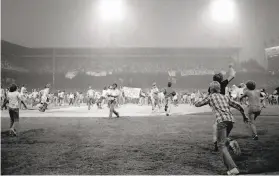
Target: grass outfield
<point>141,145</point>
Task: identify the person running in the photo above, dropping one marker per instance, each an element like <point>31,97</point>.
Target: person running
<point>223,84</point>
<point>14,100</point>
<point>23,94</point>
<point>44,98</point>
<point>154,96</point>
<point>263,97</point>
<point>98,98</point>
<point>71,99</point>
<point>112,94</point>
<point>90,97</point>
<point>169,93</point>
<point>220,105</point>
<point>254,107</point>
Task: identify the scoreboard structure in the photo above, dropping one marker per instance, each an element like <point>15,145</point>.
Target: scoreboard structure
<point>272,56</point>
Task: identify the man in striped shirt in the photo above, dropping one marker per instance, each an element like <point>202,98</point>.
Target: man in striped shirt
<point>220,105</point>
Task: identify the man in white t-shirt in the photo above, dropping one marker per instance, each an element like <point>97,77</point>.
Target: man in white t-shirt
<point>23,94</point>
<point>90,97</point>
<point>71,99</point>
<point>14,100</point>
<point>61,96</point>
<point>193,96</point>
<point>44,98</point>
<point>154,96</point>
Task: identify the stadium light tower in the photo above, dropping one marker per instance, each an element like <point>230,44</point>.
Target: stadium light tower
<point>111,10</point>
<point>223,11</point>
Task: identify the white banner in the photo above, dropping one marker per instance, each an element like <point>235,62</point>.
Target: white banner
<point>272,52</point>
<point>131,92</point>
<point>71,74</point>
<point>102,73</point>
<point>196,72</point>
<point>172,73</point>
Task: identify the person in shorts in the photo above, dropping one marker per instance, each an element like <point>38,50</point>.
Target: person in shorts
<point>254,107</point>
<point>169,93</point>
<point>14,100</point>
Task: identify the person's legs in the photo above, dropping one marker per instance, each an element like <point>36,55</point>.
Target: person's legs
<point>89,103</point>
<point>111,108</point>
<point>168,106</point>
<point>253,112</point>
<point>223,144</point>
<point>14,117</point>
<point>12,120</point>
<point>215,136</point>
<point>153,103</point>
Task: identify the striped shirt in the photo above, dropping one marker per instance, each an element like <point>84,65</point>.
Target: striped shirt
<point>220,105</point>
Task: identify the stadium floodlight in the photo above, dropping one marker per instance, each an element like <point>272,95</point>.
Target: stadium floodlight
<point>223,11</point>
<point>111,10</point>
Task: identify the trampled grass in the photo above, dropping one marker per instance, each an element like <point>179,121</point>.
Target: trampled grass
<point>135,145</point>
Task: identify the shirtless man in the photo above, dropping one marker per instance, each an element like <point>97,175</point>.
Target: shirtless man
<point>154,96</point>
<point>254,107</point>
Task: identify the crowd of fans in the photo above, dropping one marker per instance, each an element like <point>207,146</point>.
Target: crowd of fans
<point>76,98</point>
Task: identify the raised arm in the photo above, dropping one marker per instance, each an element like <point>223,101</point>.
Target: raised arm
<point>231,73</point>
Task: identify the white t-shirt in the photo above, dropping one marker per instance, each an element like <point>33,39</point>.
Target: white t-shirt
<point>90,93</point>
<point>104,93</point>
<point>71,96</point>
<point>14,99</point>
<point>2,92</point>
<point>45,92</point>
<point>113,93</point>
<point>35,94</point>
<point>193,96</point>
<point>98,95</point>
<point>23,90</point>
<point>154,91</point>
<point>161,95</point>
<point>61,94</point>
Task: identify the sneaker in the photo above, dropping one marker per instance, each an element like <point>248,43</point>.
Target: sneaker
<point>167,114</point>
<point>256,137</point>
<point>12,132</point>
<point>235,147</point>
<point>234,171</point>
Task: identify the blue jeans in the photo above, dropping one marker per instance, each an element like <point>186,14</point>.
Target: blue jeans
<point>223,131</point>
